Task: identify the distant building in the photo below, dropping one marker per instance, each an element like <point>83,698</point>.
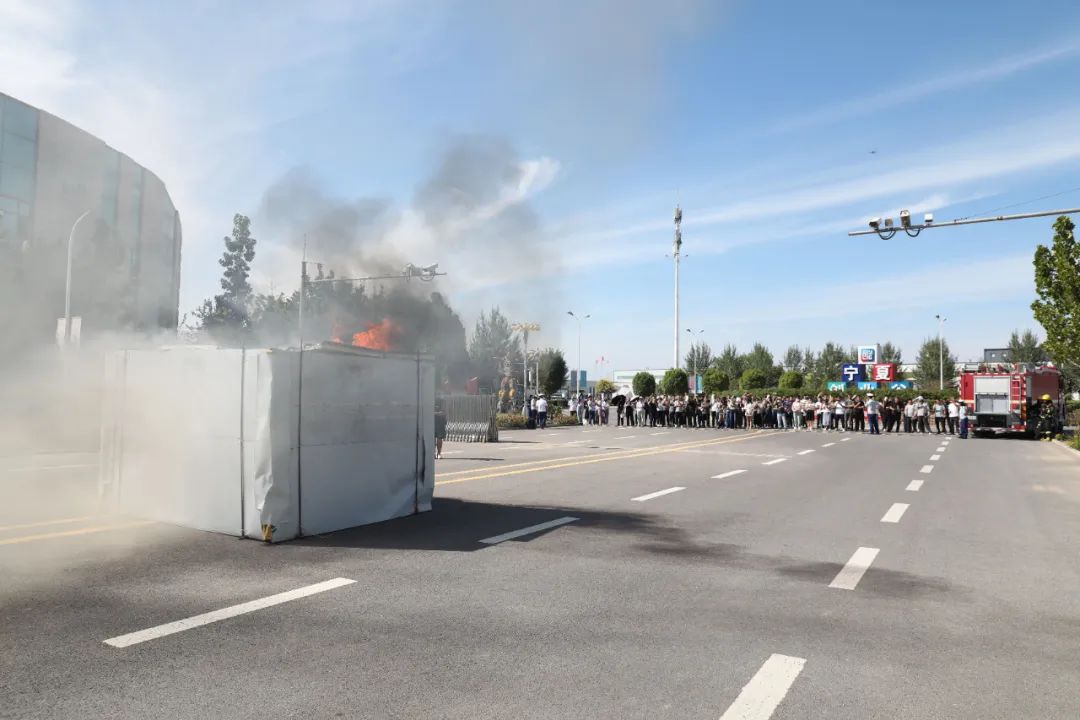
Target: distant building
<point>126,252</point>
<point>996,355</point>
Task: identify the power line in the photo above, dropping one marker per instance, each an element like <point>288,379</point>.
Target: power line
<point>1025,202</point>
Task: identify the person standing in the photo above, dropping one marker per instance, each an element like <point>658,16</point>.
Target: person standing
<point>939,417</point>
<point>440,427</point>
<point>909,415</point>
<point>922,412</point>
<point>953,413</point>
<point>541,412</point>
<point>962,414</point>
<point>873,411</point>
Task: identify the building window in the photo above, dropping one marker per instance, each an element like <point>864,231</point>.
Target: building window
<point>16,181</point>
<point>19,119</point>
<point>16,150</point>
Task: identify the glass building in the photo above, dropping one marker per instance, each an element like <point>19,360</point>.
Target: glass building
<point>126,251</point>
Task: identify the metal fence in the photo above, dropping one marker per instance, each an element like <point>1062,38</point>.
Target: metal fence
<point>471,418</point>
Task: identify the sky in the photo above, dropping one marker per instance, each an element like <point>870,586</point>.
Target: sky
<point>537,153</point>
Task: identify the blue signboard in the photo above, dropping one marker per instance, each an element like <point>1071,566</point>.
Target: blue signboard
<point>834,386</point>
<point>900,385</point>
<point>853,372</point>
<point>866,385</point>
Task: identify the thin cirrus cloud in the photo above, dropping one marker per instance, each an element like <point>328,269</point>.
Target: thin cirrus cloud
<point>913,92</point>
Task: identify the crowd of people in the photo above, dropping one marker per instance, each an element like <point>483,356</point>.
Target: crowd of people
<point>851,413</point>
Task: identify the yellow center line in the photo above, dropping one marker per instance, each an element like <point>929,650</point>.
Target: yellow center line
<point>616,453</point>
<point>70,533</point>
<point>43,523</point>
<point>501,472</point>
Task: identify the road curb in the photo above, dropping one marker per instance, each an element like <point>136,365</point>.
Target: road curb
<point>1067,447</point>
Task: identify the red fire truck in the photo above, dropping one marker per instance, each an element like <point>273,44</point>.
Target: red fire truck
<point>1005,397</point>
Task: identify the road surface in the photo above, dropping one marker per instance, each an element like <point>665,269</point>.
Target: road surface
<point>577,573</point>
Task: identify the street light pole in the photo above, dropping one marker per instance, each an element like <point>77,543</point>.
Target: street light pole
<point>67,281</point>
<point>524,328</point>
<point>941,354</point>
<point>577,384</point>
<point>676,248</point>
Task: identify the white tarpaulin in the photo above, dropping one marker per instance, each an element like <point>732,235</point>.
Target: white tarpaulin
<point>242,442</point>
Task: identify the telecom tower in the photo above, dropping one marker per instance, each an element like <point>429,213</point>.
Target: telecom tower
<point>676,246</point>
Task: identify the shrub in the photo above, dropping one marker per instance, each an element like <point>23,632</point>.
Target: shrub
<point>715,380</point>
<point>791,380</point>
<point>644,384</point>
<point>753,379</point>
<point>675,382</point>
<point>562,420</point>
<point>605,386</point>
<point>510,421</point>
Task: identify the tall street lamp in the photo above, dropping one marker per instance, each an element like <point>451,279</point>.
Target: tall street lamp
<point>67,280</point>
<point>941,353</point>
<point>525,328</point>
<point>579,319</point>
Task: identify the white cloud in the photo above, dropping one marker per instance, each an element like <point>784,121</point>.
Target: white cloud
<point>904,94</point>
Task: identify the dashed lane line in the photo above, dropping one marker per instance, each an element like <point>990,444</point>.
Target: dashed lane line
<point>940,449</point>
<point>935,458</point>
<point>805,452</point>
<point>895,513</point>
<point>532,529</point>
<point>123,641</point>
<point>658,493</point>
<point>926,469</point>
<point>775,462</point>
<point>761,696</point>
<point>729,473</point>
<point>914,486</point>
<point>852,572</point>
<point>844,439</point>
<point>828,444</point>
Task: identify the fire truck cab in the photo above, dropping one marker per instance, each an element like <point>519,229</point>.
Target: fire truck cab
<point>1006,397</point>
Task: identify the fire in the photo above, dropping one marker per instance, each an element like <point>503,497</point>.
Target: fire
<point>380,336</point>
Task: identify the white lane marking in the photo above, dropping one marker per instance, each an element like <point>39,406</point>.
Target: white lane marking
<point>804,452</point>
<point>773,462</point>
<point>914,486</point>
<point>576,442</point>
<point>940,449</point>
<point>730,473</point>
<point>895,513</point>
<point>927,469</point>
<point>828,444</point>
<point>658,493</point>
<point>945,442</point>
<point>625,437</point>
<point>49,467</point>
<point>844,439</point>
<point>122,641</point>
<point>661,433</point>
<point>935,458</point>
<point>528,531</point>
<point>550,434</point>
<point>761,696</point>
<point>850,575</point>
<point>452,452</point>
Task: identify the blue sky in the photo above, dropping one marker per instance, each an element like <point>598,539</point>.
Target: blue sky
<point>757,117</point>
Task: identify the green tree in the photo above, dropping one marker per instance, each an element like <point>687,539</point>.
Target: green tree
<point>890,353</point>
<point>675,382</point>
<point>698,357</point>
<point>644,384</point>
<point>715,380</point>
<point>730,362</point>
<point>1057,284</point>
<point>226,317</point>
<point>760,358</point>
<point>829,363</point>
<point>791,380</point>
<point>1025,348</point>
<point>928,364</point>
<point>808,362</point>
<point>793,358</point>
<point>553,370</point>
<point>494,350</point>
<point>753,379</point>
<point>605,386</point>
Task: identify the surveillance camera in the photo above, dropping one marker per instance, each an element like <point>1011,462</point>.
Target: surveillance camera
<point>905,218</point>
<point>875,223</point>
<point>888,222</point>
<point>928,219</point>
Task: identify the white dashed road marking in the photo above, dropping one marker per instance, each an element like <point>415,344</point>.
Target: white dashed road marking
<point>895,513</point>
<point>844,439</point>
<point>935,458</point>
<point>122,641</point>
<point>927,469</point>
<point>730,473</point>
<point>761,696</point>
<point>940,449</point>
<point>658,493</point>
<point>528,531</point>
<point>828,444</point>
<point>850,575</point>
<point>805,452</point>
<point>625,437</point>
<point>660,433</point>
<point>774,462</point>
<point>914,486</point>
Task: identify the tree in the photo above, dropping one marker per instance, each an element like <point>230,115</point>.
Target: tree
<point>760,358</point>
<point>553,370</point>
<point>808,361</point>
<point>890,353</point>
<point>698,357</point>
<point>644,384</point>
<point>605,386</point>
<point>1025,348</point>
<point>730,362</point>
<point>791,380</point>
<point>927,364</point>
<point>829,363</point>
<point>715,380</point>
<point>494,350</point>
<point>226,317</point>
<point>675,382</point>
<point>793,358</point>
<point>753,379</point>
<point>1057,284</point>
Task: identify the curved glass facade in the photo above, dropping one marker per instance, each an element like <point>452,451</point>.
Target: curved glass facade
<point>126,252</point>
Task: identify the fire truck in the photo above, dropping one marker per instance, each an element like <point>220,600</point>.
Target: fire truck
<point>1005,397</point>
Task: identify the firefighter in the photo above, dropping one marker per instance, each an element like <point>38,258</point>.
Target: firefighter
<point>1047,417</point>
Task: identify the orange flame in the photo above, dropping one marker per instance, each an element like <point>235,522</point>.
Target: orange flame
<point>381,336</point>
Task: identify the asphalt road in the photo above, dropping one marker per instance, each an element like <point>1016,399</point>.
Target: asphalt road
<point>731,597</point>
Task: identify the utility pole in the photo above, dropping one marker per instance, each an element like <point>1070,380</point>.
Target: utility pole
<point>676,248</point>
<point>524,328</point>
